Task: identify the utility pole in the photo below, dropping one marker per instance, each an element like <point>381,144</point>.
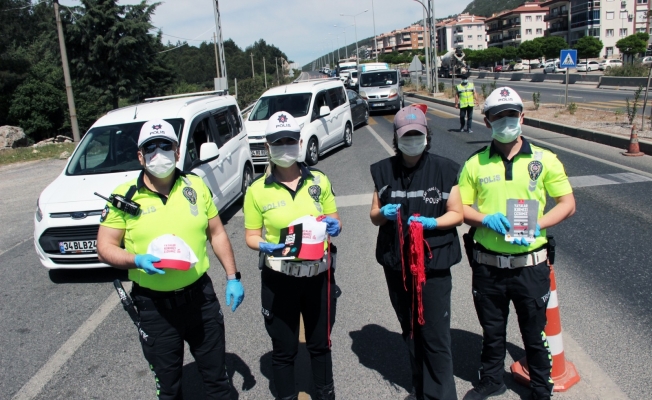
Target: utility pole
<point>265,72</point>
<point>252,65</point>
<point>375,40</point>
<point>217,64</point>
<point>220,44</point>
<point>66,76</point>
<point>433,34</point>
<point>277,80</point>
<point>426,46</point>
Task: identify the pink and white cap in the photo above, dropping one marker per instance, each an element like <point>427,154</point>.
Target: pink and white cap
<point>173,252</point>
<point>314,236</point>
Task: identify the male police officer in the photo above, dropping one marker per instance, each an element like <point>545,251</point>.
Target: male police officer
<point>165,253</point>
<point>465,99</point>
<point>511,168</point>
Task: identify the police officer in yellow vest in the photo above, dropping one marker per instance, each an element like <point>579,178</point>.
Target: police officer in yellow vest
<point>510,172</point>
<point>298,284</point>
<point>465,99</point>
<point>165,253</point>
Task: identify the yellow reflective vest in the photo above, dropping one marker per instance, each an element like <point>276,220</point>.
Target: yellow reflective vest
<point>466,95</point>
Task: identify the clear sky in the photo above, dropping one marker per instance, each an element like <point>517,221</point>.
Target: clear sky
<point>300,28</point>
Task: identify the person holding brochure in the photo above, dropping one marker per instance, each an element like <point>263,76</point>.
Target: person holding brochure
<point>509,181</point>
<point>296,206</point>
<point>415,185</point>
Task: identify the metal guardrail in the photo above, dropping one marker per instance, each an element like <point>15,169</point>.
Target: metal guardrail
<point>537,77</point>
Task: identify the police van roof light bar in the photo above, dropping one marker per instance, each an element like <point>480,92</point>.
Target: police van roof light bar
<point>176,96</point>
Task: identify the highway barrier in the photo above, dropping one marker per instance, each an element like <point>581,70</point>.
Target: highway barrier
<point>599,137</point>
<point>563,373</point>
<point>622,81</point>
<point>537,77</point>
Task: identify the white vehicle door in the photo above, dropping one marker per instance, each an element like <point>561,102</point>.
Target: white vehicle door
<point>202,131</point>
<point>338,105</point>
<point>319,124</point>
<point>229,140</point>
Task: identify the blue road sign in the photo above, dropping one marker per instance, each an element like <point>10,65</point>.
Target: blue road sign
<point>568,58</point>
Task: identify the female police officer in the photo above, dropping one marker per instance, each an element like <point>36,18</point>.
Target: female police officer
<point>176,218</point>
<point>417,182</point>
<point>288,191</point>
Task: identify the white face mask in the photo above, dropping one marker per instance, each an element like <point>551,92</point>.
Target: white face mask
<point>506,129</point>
<point>160,163</point>
<point>412,145</point>
<point>284,155</point>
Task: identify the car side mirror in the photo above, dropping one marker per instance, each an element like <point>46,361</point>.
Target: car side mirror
<point>324,111</point>
<point>208,152</point>
<point>402,82</point>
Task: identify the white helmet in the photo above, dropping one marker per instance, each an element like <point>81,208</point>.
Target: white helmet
<point>501,99</point>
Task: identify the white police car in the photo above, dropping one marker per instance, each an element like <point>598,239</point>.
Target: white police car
<point>212,144</point>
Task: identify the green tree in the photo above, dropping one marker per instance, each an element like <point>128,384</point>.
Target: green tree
<point>529,50</point>
<point>551,46</point>
<point>588,47</point>
<point>510,53</point>
<point>492,55</point>
<point>632,44</point>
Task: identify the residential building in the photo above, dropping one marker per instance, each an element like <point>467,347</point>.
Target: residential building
<point>401,40</point>
<point>512,27</point>
<point>465,30</point>
<point>558,18</point>
<point>641,21</point>
<point>608,20</point>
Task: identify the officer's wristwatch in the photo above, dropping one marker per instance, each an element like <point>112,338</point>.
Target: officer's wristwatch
<point>233,276</point>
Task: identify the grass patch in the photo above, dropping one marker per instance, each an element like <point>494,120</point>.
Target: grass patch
<point>22,154</point>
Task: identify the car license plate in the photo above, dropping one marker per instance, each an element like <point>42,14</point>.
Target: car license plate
<point>258,153</point>
<point>78,246</point>
<point>377,104</point>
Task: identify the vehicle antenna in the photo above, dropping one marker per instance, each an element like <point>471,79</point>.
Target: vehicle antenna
<point>135,112</point>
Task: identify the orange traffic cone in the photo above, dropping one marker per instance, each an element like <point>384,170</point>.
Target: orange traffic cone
<point>633,149</point>
<point>563,374</point>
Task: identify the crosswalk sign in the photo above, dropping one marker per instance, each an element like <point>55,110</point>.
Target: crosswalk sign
<point>568,58</point>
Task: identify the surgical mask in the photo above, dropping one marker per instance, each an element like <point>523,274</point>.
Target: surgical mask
<point>506,129</point>
<point>412,145</point>
<point>160,163</point>
<point>464,81</point>
<point>284,155</point>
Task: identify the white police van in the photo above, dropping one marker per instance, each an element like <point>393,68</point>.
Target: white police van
<point>212,144</point>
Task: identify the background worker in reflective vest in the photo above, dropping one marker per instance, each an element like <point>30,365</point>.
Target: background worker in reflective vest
<point>298,286</point>
<point>512,168</point>
<point>165,253</point>
<point>415,181</point>
<point>465,99</point>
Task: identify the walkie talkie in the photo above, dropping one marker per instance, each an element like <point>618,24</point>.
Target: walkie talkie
<point>122,203</point>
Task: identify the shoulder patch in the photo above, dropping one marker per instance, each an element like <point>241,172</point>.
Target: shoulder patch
<point>542,147</point>
<point>477,152</point>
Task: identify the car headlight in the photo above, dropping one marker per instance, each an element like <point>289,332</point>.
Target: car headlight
<point>39,213</point>
<point>393,93</point>
<point>363,94</point>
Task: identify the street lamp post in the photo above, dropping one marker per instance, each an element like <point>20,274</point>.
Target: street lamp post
<point>430,36</point>
<point>355,28</point>
<point>373,15</point>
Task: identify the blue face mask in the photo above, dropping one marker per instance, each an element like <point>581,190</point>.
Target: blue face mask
<point>506,129</point>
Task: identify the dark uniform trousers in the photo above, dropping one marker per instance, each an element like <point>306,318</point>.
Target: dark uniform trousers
<point>430,346</point>
<point>528,288</point>
<point>466,117</point>
<point>167,321</point>
<point>284,297</point>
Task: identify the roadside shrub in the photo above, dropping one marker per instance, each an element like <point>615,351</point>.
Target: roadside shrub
<point>483,88</point>
<point>441,87</point>
<point>618,114</point>
<point>636,69</point>
<point>492,85</point>
<point>536,99</point>
<point>572,107</point>
<point>632,107</point>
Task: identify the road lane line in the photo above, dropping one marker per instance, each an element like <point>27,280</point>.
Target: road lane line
<point>350,200</point>
<point>380,140</point>
<point>35,385</point>
<point>16,245</point>
<point>371,121</point>
<point>390,118</point>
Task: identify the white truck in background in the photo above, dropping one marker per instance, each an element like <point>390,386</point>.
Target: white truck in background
<point>452,63</point>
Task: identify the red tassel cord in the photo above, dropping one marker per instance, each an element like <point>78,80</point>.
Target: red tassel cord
<point>399,223</point>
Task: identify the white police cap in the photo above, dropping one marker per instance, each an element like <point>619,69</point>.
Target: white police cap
<point>156,129</point>
<point>501,99</point>
<point>282,125</point>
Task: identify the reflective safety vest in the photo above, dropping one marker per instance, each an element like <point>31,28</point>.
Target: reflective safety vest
<point>466,95</point>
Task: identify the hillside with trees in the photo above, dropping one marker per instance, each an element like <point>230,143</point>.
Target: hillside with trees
<point>486,8</point>
<point>114,61</point>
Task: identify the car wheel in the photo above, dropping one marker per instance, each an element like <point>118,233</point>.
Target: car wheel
<point>348,135</point>
<point>247,179</point>
<point>312,151</point>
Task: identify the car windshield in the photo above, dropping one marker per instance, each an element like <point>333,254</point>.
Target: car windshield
<point>113,148</point>
<point>378,78</point>
<point>296,104</point>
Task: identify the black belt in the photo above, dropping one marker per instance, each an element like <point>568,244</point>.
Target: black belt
<point>170,299</point>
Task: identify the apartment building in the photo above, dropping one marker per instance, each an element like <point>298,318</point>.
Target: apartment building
<point>401,40</point>
<point>510,28</point>
<point>465,30</point>
<point>558,18</point>
<point>641,21</point>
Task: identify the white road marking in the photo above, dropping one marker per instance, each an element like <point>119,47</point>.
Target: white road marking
<point>607,179</point>
<point>35,385</point>
<point>16,245</point>
<point>570,97</point>
<point>380,140</point>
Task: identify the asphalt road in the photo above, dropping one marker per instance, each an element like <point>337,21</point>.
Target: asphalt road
<point>63,335</point>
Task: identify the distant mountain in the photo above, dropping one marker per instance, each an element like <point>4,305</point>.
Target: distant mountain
<point>487,7</point>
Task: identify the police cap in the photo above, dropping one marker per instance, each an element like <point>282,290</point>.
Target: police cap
<point>282,125</point>
<point>501,99</point>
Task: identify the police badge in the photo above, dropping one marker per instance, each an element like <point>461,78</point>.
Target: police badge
<point>190,195</point>
<point>314,191</point>
<point>535,168</point>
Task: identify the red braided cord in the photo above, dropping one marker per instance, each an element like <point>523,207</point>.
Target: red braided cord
<point>401,243</point>
<point>328,299</point>
<point>417,265</point>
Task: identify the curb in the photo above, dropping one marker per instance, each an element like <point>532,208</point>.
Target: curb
<point>609,139</point>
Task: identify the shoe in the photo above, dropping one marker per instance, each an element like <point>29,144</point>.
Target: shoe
<point>536,396</point>
<point>469,131</point>
<point>462,129</point>
<point>413,396</point>
<point>484,389</point>
<point>326,392</point>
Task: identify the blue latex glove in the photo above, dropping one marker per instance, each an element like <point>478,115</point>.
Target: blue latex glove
<point>146,263</point>
<point>333,226</point>
<point>390,211</point>
<point>234,289</point>
<point>496,222</point>
<point>268,248</point>
<point>427,222</point>
<point>523,241</point>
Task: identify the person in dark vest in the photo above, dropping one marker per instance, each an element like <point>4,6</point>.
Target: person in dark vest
<point>415,185</point>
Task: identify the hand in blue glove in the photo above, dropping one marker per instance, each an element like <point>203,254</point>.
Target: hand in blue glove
<point>496,222</point>
<point>333,226</point>
<point>268,248</point>
<point>427,222</point>
<point>146,263</point>
<point>523,241</point>
<point>390,211</point>
<point>234,289</point>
